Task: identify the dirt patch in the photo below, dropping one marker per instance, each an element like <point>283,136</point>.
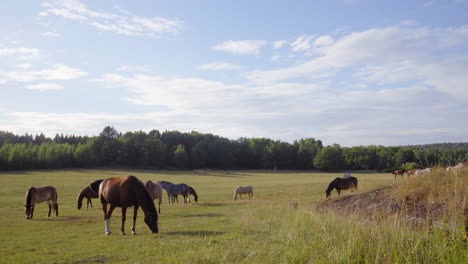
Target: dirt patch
<point>380,203</point>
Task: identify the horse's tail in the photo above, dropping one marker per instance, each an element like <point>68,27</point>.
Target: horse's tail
<point>55,203</point>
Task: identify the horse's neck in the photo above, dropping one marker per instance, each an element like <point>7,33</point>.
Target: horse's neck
<point>146,203</point>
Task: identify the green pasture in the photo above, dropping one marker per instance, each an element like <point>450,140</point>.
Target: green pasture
<point>216,229</point>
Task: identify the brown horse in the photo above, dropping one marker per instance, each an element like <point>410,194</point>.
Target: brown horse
<point>194,193</point>
<point>39,195</point>
<point>155,189</point>
<point>87,193</point>
<point>399,172</point>
<point>339,184</point>
<point>126,192</point>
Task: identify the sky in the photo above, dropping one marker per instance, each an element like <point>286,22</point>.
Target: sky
<point>351,72</point>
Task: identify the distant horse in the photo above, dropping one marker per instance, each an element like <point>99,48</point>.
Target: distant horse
<point>126,192</point>
<point>399,172</point>
<point>87,193</point>
<point>342,184</point>
<point>421,172</point>
<point>39,195</point>
<point>173,190</point>
<point>243,190</point>
<point>455,168</point>
<point>412,172</point>
<point>155,189</point>
<point>194,193</point>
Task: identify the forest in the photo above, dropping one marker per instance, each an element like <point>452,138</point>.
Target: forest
<point>179,150</point>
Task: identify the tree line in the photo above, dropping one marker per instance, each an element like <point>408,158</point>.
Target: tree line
<point>177,150</point>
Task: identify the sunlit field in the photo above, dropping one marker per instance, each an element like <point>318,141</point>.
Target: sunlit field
<point>217,229</point>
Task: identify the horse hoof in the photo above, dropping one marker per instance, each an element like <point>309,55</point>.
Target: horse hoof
<point>108,233</point>
<point>134,233</point>
<point>123,233</point>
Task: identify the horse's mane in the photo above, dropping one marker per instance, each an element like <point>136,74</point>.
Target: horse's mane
<point>29,197</point>
<point>146,195</point>
<point>193,192</point>
<point>332,184</point>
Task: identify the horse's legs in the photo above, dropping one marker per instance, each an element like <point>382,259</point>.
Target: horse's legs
<point>90,203</point>
<point>50,207</point>
<point>32,211</point>
<point>339,191</point>
<point>56,208</point>
<point>160,204</point>
<point>169,198</point>
<point>134,219</point>
<point>124,215</point>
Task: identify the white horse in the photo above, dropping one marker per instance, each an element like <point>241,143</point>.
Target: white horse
<point>155,190</point>
<point>421,172</point>
<point>243,190</point>
<point>455,168</point>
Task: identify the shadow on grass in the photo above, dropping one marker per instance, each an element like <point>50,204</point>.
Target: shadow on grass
<point>203,215</point>
<point>195,233</point>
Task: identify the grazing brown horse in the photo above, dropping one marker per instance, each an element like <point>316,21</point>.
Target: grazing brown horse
<point>155,190</point>
<point>126,192</point>
<point>39,195</point>
<point>194,193</point>
<point>342,184</point>
<point>399,172</point>
<point>87,193</point>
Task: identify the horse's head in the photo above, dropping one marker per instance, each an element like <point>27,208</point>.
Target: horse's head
<point>28,211</point>
<point>152,221</point>
<point>328,193</point>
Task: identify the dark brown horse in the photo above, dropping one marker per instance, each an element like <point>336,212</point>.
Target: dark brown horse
<point>87,193</point>
<point>39,195</point>
<point>399,172</point>
<point>194,193</point>
<point>126,192</point>
<point>342,184</point>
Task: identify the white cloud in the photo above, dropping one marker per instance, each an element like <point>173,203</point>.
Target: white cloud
<point>276,57</point>
<point>57,72</point>
<point>44,86</point>
<point>219,66</point>
<point>302,43</point>
<point>121,24</point>
<point>24,66</point>
<point>50,34</point>
<point>379,55</point>
<point>323,41</point>
<point>21,52</point>
<point>280,43</point>
<point>241,46</point>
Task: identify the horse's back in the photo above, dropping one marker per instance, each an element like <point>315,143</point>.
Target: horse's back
<point>44,193</point>
<point>244,189</point>
<point>122,191</point>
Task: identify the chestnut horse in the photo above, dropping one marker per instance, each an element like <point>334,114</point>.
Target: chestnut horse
<point>399,172</point>
<point>39,195</point>
<point>87,193</point>
<point>342,184</point>
<point>126,192</point>
<point>155,189</point>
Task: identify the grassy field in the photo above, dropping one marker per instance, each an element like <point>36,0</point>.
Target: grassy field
<point>216,229</point>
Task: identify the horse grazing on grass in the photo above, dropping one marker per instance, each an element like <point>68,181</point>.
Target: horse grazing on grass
<point>39,195</point>
<point>155,190</point>
<point>87,193</point>
<point>243,190</point>
<point>399,172</point>
<point>126,192</point>
<point>341,184</point>
<point>422,172</point>
<point>455,168</point>
<point>194,193</point>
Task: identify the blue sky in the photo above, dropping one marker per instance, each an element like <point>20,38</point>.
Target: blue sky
<point>352,72</point>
